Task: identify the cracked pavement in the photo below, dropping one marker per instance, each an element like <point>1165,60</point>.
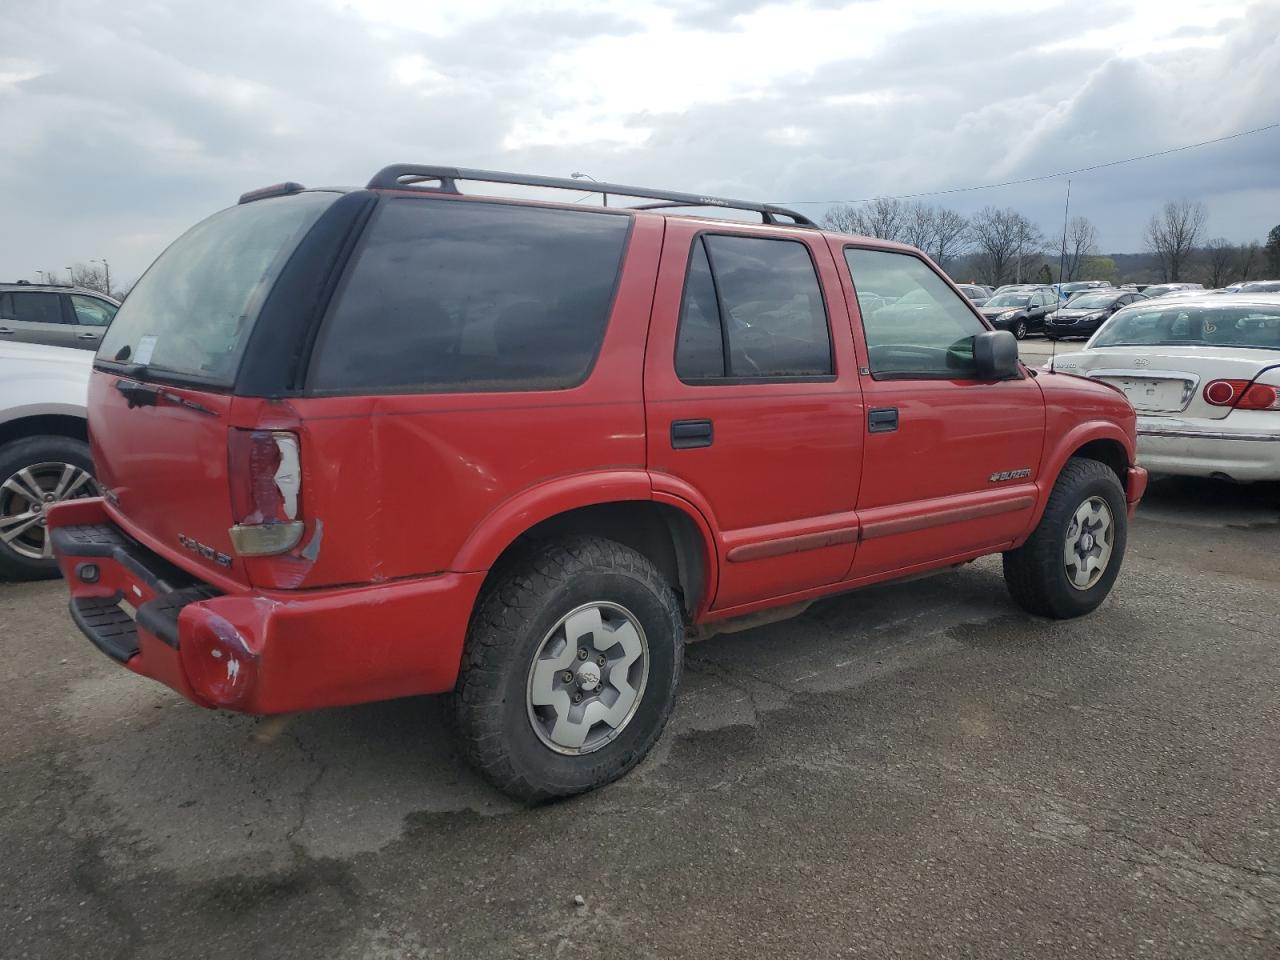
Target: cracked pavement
<point>915,770</point>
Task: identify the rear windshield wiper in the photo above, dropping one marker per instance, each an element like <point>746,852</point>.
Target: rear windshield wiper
<point>138,394</point>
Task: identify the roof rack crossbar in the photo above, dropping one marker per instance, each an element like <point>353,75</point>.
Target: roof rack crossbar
<point>401,175</point>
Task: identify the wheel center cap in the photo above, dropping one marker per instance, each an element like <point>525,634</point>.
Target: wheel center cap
<point>1086,542</point>
<point>588,676</point>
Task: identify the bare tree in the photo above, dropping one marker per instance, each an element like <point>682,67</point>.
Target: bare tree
<point>1222,256</point>
<point>1082,243</point>
<point>1008,245</point>
<point>883,219</point>
<point>951,236</point>
<point>89,277</point>
<point>1250,259</point>
<point>1172,234</point>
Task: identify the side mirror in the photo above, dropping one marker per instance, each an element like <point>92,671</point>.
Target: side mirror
<point>995,354</point>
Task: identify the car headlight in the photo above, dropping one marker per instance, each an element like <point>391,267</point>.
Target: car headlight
<point>1008,315</point>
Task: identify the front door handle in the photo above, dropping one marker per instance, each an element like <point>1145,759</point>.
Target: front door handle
<point>686,434</point>
<point>882,420</point>
<point>86,336</point>
<point>6,331</point>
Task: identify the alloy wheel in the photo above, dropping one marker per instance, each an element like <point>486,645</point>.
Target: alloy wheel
<point>1090,539</point>
<point>587,678</point>
<point>27,494</point>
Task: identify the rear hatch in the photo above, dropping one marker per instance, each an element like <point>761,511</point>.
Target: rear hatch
<point>163,417</point>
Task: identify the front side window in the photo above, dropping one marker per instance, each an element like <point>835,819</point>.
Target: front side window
<point>92,312</point>
<point>752,309</point>
<point>32,308</point>
<point>464,296</point>
<point>915,324</point>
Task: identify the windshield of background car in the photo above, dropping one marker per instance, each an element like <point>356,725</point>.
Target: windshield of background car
<point>1092,301</point>
<point>191,313</point>
<point>1011,300</point>
<point>1218,325</point>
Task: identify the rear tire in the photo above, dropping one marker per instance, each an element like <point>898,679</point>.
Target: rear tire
<point>514,704</point>
<point>1069,564</point>
<point>32,472</point>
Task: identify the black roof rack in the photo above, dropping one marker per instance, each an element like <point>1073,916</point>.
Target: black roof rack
<point>399,176</point>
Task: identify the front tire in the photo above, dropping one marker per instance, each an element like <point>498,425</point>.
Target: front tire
<point>538,719</point>
<point>1020,330</point>
<point>1069,564</point>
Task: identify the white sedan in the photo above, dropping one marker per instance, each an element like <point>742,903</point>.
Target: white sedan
<point>1203,374</point>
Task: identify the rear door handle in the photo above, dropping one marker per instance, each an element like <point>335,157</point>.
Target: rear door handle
<point>87,336</point>
<point>6,331</point>
<point>686,434</point>
<point>882,420</point>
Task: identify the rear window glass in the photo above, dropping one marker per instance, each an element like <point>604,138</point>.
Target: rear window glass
<point>31,307</point>
<point>191,313</point>
<point>449,296</point>
<point>1172,325</point>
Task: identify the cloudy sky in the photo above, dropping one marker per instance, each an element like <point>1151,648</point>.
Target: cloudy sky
<point>124,121</point>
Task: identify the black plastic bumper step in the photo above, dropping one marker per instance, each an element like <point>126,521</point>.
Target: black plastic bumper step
<point>107,625</point>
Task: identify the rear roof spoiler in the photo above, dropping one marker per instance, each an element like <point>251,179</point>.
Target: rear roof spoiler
<point>275,190</point>
<point>402,176</point>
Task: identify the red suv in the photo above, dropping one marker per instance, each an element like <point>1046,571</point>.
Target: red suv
<point>373,443</point>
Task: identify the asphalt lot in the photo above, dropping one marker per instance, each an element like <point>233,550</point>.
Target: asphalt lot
<point>916,770</point>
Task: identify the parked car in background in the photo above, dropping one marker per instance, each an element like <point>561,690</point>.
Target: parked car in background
<point>1068,290</point>
<point>977,294</point>
<point>372,443</point>
<point>1020,311</point>
<point>1204,376</point>
<point>1260,286</point>
<point>1163,289</point>
<point>44,450</point>
<point>53,315</point>
<point>1085,312</point>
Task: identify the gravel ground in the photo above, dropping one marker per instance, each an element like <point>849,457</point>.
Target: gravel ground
<point>916,770</point>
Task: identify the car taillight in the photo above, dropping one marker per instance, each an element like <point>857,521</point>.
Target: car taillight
<point>1239,395</point>
<point>266,488</point>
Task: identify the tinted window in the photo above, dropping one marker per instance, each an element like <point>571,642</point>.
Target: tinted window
<point>462,296</point>
<point>700,345</point>
<point>765,308</point>
<point>33,307</point>
<point>91,311</point>
<point>191,313</point>
<point>916,325</point>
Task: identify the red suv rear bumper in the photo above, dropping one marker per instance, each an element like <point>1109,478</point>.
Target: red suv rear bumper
<point>258,652</point>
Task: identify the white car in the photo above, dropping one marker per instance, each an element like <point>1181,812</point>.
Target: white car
<point>44,450</point>
<point>1203,374</point>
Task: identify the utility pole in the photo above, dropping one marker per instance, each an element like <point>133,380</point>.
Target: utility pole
<point>106,269</point>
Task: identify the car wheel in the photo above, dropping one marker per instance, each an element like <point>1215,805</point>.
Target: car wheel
<point>570,668</point>
<point>1020,330</point>
<point>1069,564</point>
<point>35,473</point>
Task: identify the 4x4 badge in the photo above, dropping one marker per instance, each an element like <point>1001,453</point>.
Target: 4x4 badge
<point>1010,475</point>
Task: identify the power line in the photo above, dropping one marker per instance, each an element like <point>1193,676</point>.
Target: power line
<point>1047,176</point>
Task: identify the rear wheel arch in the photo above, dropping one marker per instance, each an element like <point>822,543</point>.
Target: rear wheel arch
<point>44,425</point>
<point>666,535</point>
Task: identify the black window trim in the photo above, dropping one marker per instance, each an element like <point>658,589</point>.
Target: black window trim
<point>727,380</point>
<point>307,388</point>
<point>862,326</point>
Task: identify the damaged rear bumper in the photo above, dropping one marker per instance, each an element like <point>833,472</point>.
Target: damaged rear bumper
<point>258,651</point>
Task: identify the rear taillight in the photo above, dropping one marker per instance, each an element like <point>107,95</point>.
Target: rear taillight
<point>266,489</point>
<point>1239,395</point>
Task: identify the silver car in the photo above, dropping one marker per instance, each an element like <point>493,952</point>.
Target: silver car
<point>53,315</point>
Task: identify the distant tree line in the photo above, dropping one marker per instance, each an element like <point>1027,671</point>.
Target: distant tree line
<point>998,246</point>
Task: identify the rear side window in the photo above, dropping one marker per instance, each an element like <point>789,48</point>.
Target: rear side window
<point>191,313</point>
<point>92,312</point>
<point>450,296</point>
<point>916,326</point>
<point>752,309</point>
<point>31,307</point>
